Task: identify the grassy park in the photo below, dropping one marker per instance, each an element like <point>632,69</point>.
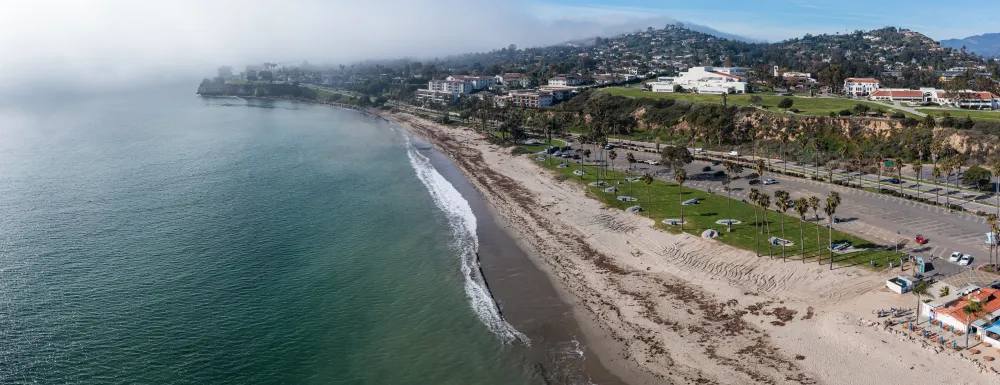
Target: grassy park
<point>664,203</point>
<point>961,114</point>
<point>805,105</point>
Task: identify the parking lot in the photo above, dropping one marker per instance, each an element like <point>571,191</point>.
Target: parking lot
<point>879,218</point>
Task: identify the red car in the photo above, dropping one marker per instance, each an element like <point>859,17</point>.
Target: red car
<point>920,239</point>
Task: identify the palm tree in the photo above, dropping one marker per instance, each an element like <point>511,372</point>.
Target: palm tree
<point>918,168</point>
<point>680,176</point>
<point>631,161</point>
<point>802,207</point>
<point>765,204</point>
<point>879,163</point>
<point>919,290</point>
<point>814,205</point>
<point>648,180</point>
<point>898,166</point>
<point>992,221</point>
<point>784,202</point>
<point>936,174</point>
<point>995,169</point>
<point>732,168</point>
<point>830,209</point>
<point>612,155</point>
<point>759,166</point>
<point>586,154</point>
<point>947,167</point>
<point>972,310</point>
<point>958,162</point>
<point>755,199</point>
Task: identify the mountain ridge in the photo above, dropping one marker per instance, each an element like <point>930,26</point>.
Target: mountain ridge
<point>987,44</point>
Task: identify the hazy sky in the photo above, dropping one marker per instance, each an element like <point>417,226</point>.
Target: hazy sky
<point>105,43</point>
<point>776,20</point>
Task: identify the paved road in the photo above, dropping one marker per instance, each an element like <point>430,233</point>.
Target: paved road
<point>879,218</point>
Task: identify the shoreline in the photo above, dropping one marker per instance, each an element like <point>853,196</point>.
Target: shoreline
<point>656,306</point>
<point>524,294</point>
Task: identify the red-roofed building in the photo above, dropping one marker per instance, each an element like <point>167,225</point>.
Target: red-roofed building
<point>951,314</point>
<point>899,95</point>
<point>861,86</point>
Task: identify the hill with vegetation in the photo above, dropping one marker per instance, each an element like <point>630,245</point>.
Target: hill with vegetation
<point>986,44</point>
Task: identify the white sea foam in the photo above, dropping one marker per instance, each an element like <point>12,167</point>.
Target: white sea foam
<point>465,242</point>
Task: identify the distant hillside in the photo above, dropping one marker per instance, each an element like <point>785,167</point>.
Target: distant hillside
<point>985,45</point>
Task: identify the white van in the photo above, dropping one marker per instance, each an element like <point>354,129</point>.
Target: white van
<point>734,153</point>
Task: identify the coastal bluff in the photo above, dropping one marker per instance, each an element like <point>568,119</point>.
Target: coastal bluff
<point>256,90</point>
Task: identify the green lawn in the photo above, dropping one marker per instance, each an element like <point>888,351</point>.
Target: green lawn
<point>664,203</point>
<point>805,105</point>
<point>958,114</point>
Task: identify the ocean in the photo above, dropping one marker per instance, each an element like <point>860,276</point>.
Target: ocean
<point>165,238</point>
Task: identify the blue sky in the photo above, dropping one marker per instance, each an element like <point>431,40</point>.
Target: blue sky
<point>781,19</point>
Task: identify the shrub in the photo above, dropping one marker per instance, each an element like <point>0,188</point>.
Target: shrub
<point>898,115</point>
<point>845,113</point>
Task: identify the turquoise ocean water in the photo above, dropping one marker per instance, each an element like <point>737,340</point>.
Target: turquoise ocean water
<point>170,239</point>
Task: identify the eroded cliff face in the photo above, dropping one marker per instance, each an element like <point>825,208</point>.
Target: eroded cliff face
<point>967,142</point>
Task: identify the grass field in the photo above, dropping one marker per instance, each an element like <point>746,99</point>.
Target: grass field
<point>805,105</point>
<point>664,202</point>
<point>958,114</point>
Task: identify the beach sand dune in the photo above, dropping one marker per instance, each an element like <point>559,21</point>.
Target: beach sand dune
<point>663,308</point>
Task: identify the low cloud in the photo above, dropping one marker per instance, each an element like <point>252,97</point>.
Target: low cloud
<point>101,44</point>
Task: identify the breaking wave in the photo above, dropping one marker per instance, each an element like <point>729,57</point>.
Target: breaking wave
<point>465,243</point>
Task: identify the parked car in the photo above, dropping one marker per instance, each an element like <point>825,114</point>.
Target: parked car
<point>608,147</point>
<point>715,163</point>
<point>706,169</point>
<point>699,150</point>
<point>955,257</point>
<point>770,181</point>
<point>754,182</point>
<point>920,240</point>
<point>653,162</point>
<point>734,153</point>
<point>965,260</point>
<point>894,180</point>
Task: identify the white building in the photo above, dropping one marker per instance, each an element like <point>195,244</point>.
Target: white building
<point>478,82</point>
<point>558,92</point>
<point>443,97</point>
<point>565,81</point>
<point>860,86</point>
<point>530,98</point>
<point>456,86</point>
<point>735,71</point>
<point>703,80</point>
<point>514,79</point>
<point>979,100</point>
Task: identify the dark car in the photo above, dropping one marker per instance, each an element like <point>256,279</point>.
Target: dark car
<point>754,182</point>
<point>894,180</point>
<point>706,169</point>
<point>715,163</point>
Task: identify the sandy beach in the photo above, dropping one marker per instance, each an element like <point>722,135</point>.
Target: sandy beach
<point>663,308</point>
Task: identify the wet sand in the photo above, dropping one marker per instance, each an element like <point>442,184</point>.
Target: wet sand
<point>526,296</point>
<point>673,308</point>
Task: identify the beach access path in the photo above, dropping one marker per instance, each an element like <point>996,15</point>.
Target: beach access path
<point>673,308</point>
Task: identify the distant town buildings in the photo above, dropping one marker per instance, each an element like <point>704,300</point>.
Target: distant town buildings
<point>514,80</point>
<point>704,80</point>
<point>860,86</point>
